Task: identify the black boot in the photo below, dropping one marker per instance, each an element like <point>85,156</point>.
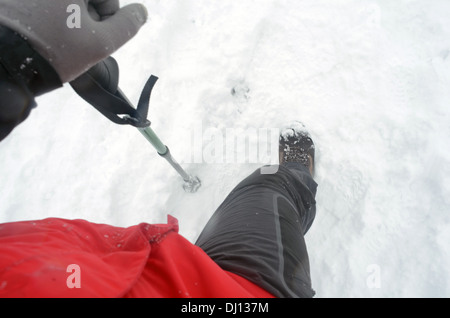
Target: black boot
<point>296,145</point>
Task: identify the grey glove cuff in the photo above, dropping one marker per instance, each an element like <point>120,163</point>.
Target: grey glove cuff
<point>102,29</point>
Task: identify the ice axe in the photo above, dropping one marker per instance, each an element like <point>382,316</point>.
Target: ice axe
<point>100,87</point>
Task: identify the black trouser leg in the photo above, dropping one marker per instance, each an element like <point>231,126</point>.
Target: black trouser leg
<point>258,231</point>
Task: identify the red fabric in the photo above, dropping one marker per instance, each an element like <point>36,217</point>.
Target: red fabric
<point>141,261</point>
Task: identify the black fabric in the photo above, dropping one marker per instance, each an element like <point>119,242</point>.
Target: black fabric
<point>24,74</point>
<point>258,231</point>
<point>25,65</point>
<point>16,103</point>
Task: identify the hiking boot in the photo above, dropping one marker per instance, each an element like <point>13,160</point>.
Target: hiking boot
<point>297,146</point>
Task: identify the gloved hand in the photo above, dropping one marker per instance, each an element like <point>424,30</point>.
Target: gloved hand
<point>48,26</point>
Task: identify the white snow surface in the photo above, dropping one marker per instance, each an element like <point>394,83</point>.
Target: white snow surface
<point>371,81</point>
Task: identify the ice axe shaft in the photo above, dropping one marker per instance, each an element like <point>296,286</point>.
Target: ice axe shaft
<point>191,184</point>
<point>163,151</point>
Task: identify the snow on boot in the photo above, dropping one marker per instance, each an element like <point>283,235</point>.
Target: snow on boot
<point>296,145</point>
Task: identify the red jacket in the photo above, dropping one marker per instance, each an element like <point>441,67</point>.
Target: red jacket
<point>75,258</point>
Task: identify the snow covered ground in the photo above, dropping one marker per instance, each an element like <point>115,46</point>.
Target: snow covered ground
<point>371,81</point>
